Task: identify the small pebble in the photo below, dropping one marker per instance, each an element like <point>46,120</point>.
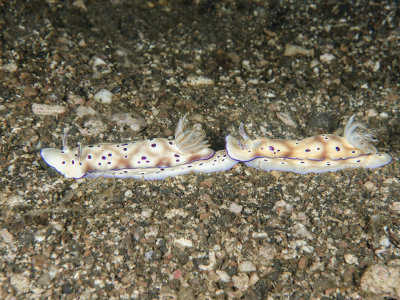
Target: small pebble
<point>382,280</point>
<point>351,259</point>
<point>327,58</point>
<point>82,111</point>
<point>47,110</point>
<point>286,118</point>
<point>247,266</point>
<point>292,50</point>
<point>199,80</point>
<point>103,96</point>
<point>183,242</point>
<point>236,209</point>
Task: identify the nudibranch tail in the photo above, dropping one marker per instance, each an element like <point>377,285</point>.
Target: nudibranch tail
<point>189,140</point>
<point>356,134</point>
<point>323,153</point>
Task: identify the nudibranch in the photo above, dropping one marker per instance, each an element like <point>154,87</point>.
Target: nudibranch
<point>153,159</point>
<point>318,154</point>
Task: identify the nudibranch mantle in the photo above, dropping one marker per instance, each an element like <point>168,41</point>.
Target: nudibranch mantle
<point>148,159</point>
<point>323,153</point>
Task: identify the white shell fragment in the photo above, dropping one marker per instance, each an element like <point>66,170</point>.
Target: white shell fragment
<point>150,159</point>
<point>318,154</point>
<point>47,110</point>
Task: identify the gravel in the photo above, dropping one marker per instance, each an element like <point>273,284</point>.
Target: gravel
<point>285,69</point>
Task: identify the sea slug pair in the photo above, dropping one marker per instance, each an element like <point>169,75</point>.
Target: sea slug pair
<point>159,158</point>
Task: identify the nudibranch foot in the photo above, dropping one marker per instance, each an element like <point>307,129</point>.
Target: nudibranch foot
<point>323,153</point>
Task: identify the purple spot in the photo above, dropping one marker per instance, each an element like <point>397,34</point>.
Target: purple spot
<point>176,155</point>
<point>126,156</point>
<point>271,148</point>
<point>125,149</point>
<point>109,154</point>
<point>143,157</point>
<point>353,151</point>
<point>103,157</point>
<point>200,164</point>
<point>224,155</point>
<point>171,143</point>
<point>189,166</point>
<point>125,171</point>
<point>63,162</point>
<point>162,169</point>
<point>153,145</point>
<point>109,163</point>
<point>358,160</point>
<point>282,163</point>
<point>138,162</point>
<point>262,148</point>
<point>302,162</point>
<point>337,148</point>
<point>72,162</point>
<point>326,138</point>
<point>307,150</point>
<point>90,146</point>
<point>177,160</point>
<point>318,148</point>
<point>249,151</point>
<point>99,164</point>
<point>89,156</point>
<point>147,161</point>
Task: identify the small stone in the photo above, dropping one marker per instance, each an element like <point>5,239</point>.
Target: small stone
<point>136,123</point>
<point>20,283</point>
<point>384,115</point>
<point>128,194</point>
<point>382,280</point>
<point>75,99</point>
<point>183,242</point>
<point>103,96</point>
<point>6,236</point>
<point>286,118</point>
<point>223,276</point>
<point>351,259</point>
<point>247,266</point>
<point>10,67</point>
<point>82,111</point>
<point>369,185</point>
<point>327,58</point>
<point>236,209</point>
<point>241,282</point>
<point>194,80</point>
<point>14,200</point>
<point>372,112</point>
<point>47,110</point>
<point>292,50</point>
